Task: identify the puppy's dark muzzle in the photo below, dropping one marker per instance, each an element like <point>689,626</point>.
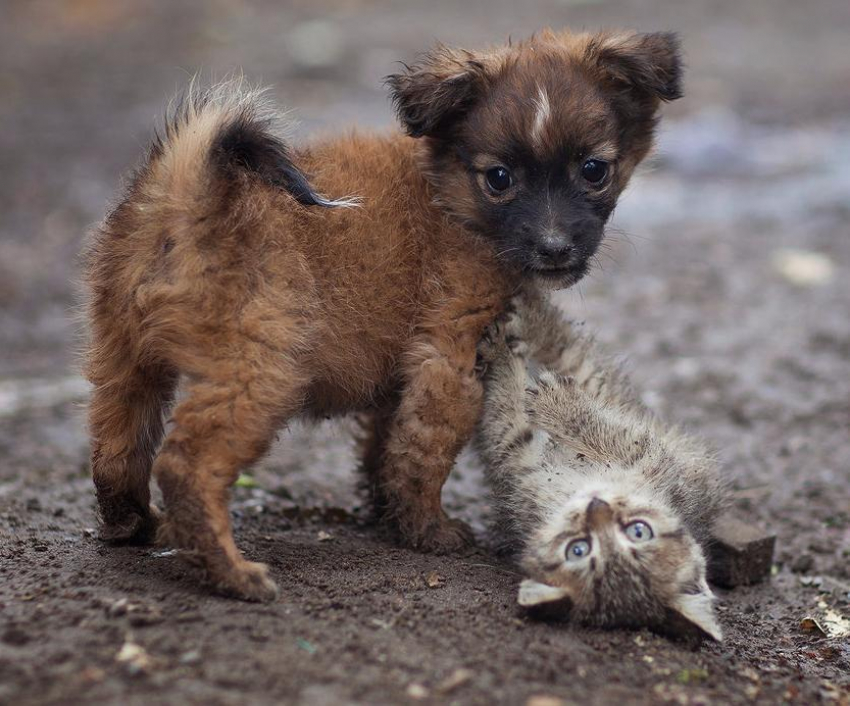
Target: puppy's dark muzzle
<point>555,250</point>
<point>559,250</point>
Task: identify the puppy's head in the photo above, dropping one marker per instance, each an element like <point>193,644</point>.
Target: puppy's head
<point>532,144</point>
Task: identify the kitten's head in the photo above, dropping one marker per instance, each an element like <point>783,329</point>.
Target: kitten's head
<point>619,559</point>
<point>532,143</point>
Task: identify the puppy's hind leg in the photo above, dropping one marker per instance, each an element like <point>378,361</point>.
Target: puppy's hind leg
<point>126,426</point>
<point>239,395</point>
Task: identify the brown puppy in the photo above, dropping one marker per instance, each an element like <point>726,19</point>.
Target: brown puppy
<point>222,265</point>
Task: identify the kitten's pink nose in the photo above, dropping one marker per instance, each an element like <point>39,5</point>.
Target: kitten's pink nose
<point>599,513</point>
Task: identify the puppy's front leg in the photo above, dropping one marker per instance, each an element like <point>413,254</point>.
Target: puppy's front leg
<point>439,407</point>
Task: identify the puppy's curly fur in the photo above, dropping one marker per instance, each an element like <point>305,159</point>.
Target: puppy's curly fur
<point>225,266</point>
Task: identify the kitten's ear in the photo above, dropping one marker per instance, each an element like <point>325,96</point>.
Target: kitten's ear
<point>430,95</point>
<point>544,602</point>
<point>692,615</point>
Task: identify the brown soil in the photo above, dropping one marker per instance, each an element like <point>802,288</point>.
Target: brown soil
<point>692,290</point>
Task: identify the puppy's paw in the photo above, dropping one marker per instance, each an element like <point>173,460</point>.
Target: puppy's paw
<point>445,536</point>
<point>247,580</point>
<point>136,527</point>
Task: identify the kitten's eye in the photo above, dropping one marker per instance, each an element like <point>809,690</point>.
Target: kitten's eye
<point>577,549</point>
<point>594,170</point>
<point>639,531</point>
<point>499,179</point>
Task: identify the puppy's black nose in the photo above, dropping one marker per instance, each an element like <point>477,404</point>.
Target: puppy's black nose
<point>555,248</point>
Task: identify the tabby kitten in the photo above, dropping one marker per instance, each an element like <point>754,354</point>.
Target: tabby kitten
<point>608,509</point>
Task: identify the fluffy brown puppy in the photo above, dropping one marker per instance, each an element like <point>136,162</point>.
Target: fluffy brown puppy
<point>223,266</point>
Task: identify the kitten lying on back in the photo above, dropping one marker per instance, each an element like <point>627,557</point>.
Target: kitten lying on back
<point>608,509</point>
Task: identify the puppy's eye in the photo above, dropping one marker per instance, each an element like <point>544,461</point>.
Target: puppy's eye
<point>577,550</point>
<point>594,170</point>
<point>499,179</point>
<point>638,531</point>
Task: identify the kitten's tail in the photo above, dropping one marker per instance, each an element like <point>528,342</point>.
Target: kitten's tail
<point>215,137</point>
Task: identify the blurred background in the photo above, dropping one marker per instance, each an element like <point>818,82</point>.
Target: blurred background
<point>726,278</point>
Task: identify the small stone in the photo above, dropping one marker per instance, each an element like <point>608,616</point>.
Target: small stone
<point>803,268</point>
<point>434,580</point>
<point>118,608</point>
<point>803,564</point>
<point>544,700</point>
<point>456,679</point>
<point>417,691</point>
<point>190,657</point>
<point>134,657</point>
<point>165,553</point>
<point>751,691</point>
<point>740,554</point>
<point>325,536</point>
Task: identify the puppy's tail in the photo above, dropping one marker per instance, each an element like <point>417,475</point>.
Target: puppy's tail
<point>216,137</point>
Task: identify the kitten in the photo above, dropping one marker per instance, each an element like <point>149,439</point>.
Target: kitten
<point>608,509</point>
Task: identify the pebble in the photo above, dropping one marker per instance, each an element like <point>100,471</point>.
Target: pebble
<point>434,580</point>
<point>134,657</point>
<point>190,657</point>
<point>456,679</point>
<point>803,268</point>
<point>803,564</point>
<point>543,700</point>
<point>417,691</point>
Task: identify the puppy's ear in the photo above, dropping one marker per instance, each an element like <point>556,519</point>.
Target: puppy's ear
<point>649,64</point>
<point>430,95</point>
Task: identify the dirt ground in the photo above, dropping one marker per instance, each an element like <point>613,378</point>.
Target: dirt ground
<point>726,282</point>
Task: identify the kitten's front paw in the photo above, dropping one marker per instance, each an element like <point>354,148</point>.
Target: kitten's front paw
<point>488,349</point>
<point>513,331</point>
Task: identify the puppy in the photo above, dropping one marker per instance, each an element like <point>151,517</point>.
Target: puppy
<point>226,266</point>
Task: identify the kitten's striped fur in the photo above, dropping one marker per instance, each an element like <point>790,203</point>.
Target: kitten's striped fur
<point>562,428</point>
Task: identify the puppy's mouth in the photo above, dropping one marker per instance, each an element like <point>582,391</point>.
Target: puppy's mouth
<point>566,274</point>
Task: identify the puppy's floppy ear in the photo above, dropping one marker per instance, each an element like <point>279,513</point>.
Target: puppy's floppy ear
<point>650,64</point>
<point>437,90</point>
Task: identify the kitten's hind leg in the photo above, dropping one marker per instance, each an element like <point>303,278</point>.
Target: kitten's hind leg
<point>565,348</point>
<point>605,432</point>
